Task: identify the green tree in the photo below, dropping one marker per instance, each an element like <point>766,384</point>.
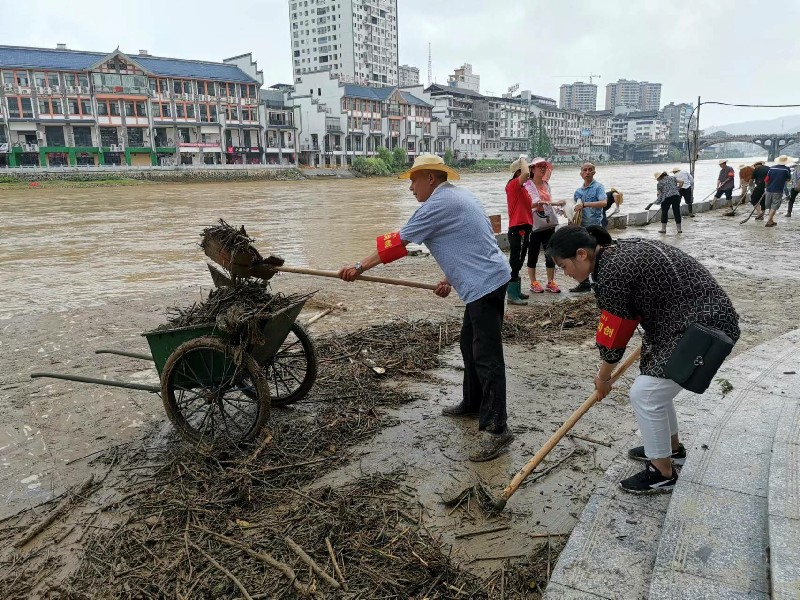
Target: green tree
<point>386,156</point>
<point>539,143</point>
<point>448,157</point>
<point>399,158</point>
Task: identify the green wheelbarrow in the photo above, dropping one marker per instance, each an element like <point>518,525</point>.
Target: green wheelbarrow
<point>215,388</point>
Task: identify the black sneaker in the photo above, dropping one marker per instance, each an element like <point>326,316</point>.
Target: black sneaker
<point>649,481</point>
<point>583,286</point>
<point>678,457</point>
<point>492,445</point>
<point>459,410</point>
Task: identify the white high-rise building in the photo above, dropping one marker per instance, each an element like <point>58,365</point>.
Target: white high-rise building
<point>578,96</point>
<point>408,76</point>
<point>354,39</point>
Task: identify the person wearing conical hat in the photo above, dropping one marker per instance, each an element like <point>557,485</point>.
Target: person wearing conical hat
<point>452,224</point>
<point>668,197</point>
<point>778,176</point>
<point>686,190</point>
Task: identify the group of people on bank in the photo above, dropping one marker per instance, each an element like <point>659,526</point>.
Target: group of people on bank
<point>639,284</point>
<point>768,186</point>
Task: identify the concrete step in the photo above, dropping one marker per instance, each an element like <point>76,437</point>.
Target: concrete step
<point>783,500</point>
<point>628,546</point>
<point>714,540</point>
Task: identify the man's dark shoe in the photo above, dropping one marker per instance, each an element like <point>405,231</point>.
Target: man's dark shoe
<point>459,410</point>
<point>678,457</point>
<point>583,286</point>
<point>649,481</point>
<point>492,445</point>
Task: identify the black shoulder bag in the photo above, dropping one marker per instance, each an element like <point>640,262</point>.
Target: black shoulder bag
<point>697,357</point>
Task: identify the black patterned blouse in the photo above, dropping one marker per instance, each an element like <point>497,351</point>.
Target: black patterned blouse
<point>667,187</point>
<point>664,287</point>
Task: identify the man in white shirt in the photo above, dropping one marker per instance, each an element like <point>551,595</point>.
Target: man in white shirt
<point>687,187</point>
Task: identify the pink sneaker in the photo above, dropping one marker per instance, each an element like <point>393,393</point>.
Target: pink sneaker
<point>537,288</point>
<point>552,287</point>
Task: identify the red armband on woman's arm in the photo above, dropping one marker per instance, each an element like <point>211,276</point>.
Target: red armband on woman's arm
<point>614,332</point>
<point>390,247</point>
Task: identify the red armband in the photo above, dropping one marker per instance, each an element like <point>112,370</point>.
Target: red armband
<point>390,247</point>
<point>614,332</point>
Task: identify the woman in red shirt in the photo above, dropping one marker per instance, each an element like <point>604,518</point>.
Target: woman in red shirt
<point>520,222</point>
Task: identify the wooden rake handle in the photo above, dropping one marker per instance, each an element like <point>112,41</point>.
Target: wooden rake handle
<point>335,274</point>
<point>512,487</point>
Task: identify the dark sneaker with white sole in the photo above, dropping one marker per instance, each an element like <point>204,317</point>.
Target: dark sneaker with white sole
<point>678,457</point>
<point>649,481</point>
<point>492,445</point>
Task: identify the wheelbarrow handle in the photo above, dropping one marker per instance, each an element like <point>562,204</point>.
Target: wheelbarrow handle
<point>94,380</point>
<point>335,274</point>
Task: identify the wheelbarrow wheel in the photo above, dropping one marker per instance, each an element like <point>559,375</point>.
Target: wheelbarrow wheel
<point>210,396</point>
<point>293,370</point>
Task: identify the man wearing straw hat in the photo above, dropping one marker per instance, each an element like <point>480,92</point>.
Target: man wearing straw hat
<point>745,181</point>
<point>778,176</point>
<point>687,186</point>
<point>450,221</point>
<point>724,181</point>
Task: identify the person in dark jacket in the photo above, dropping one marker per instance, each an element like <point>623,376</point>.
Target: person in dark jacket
<point>647,283</point>
<point>669,196</point>
<point>760,172</point>
<point>724,182</point>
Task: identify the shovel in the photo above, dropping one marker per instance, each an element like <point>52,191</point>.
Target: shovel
<point>244,264</point>
<point>499,504</point>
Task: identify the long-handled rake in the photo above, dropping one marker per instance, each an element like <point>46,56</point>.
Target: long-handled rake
<point>499,504</point>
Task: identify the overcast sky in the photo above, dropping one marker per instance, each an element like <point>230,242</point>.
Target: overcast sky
<point>744,52</point>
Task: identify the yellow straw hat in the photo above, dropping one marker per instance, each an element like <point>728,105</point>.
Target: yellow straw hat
<point>429,162</point>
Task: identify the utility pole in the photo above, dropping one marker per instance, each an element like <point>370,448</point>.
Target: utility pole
<point>695,140</point>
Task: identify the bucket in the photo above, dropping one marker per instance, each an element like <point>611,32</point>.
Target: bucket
<point>496,224</point>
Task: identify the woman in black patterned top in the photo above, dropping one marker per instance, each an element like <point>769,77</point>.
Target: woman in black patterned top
<point>655,285</point>
<point>669,196</point>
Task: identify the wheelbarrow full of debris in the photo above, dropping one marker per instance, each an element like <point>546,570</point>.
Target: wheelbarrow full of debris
<point>217,377</point>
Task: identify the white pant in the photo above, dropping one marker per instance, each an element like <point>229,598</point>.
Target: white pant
<point>651,398</point>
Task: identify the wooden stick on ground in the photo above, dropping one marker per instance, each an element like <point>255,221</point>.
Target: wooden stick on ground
<point>268,559</point>
<point>294,547</point>
<point>469,534</point>
<point>35,530</point>
<point>228,574</point>
<point>336,568</point>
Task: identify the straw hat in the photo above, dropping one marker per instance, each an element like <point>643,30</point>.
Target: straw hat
<point>758,162</point>
<point>676,169</point>
<point>722,161</point>
<point>783,159</point>
<point>429,162</point>
<point>517,164</point>
<point>659,174</point>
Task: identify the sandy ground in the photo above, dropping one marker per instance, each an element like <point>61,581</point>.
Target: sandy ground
<point>50,426</point>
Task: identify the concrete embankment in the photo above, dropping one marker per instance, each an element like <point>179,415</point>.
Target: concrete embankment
<point>184,174</point>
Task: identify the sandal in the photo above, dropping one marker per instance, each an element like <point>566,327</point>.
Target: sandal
<point>773,224</point>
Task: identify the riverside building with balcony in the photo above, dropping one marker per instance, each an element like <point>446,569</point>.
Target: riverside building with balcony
<point>69,107</point>
<point>340,121</point>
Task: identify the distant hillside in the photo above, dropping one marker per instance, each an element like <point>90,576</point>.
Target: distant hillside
<point>787,124</point>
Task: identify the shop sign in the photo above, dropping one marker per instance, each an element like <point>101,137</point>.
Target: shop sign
<point>242,149</point>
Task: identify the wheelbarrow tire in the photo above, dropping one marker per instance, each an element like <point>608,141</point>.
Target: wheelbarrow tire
<point>281,393</point>
<point>245,391</point>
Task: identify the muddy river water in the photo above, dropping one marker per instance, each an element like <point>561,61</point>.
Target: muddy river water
<point>65,248</point>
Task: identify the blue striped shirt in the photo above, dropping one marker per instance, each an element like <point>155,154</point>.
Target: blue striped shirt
<point>453,226</point>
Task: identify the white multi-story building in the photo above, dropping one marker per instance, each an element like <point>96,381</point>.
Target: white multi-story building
<point>627,95</point>
<point>677,115</point>
<point>465,78</point>
<point>642,127</point>
<point>341,121</point>
<point>408,76</point>
<point>353,39</point>
<point>578,96</point>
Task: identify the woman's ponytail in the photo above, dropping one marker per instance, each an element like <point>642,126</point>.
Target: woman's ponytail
<point>599,233</point>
